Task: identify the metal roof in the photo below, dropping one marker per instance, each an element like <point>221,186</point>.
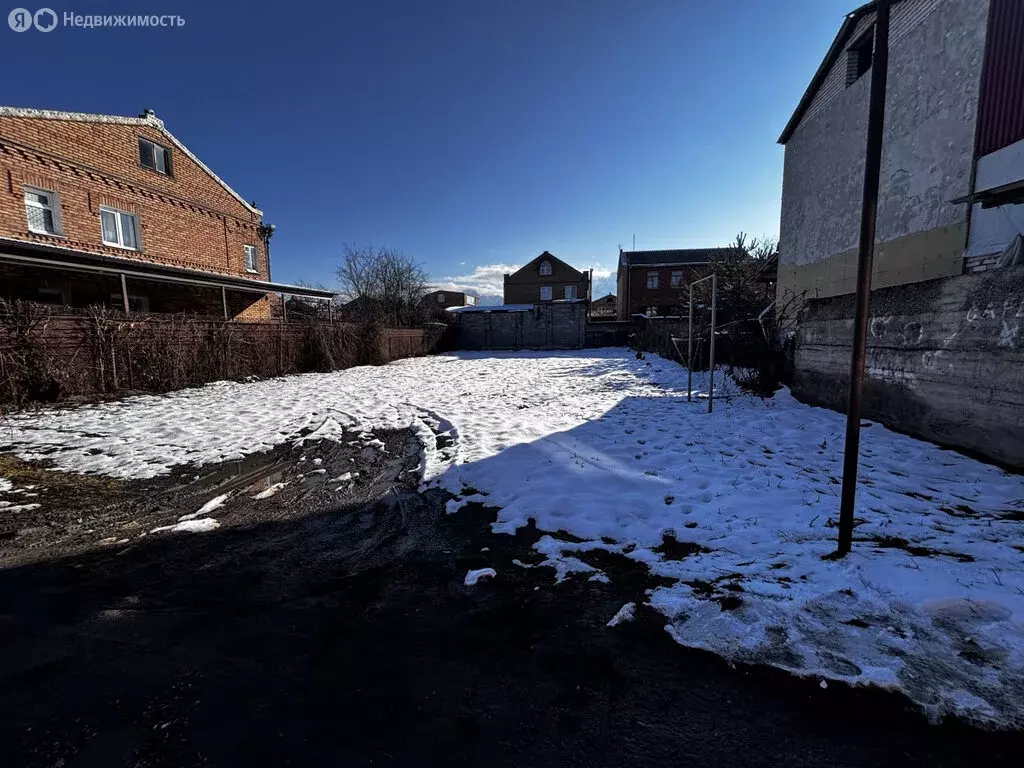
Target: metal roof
<point>35,254</point>
<point>674,257</point>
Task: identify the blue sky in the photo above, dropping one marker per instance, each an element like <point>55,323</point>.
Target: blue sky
<point>470,134</point>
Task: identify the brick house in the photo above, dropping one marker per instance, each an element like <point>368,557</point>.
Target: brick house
<point>445,299</point>
<point>546,278</point>
<point>654,283</point>
<point>604,308</point>
<point>101,209</point>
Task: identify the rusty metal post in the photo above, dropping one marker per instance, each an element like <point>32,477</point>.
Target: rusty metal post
<point>711,353</point>
<point>224,301</point>
<point>330,311</point>
<point>124,294</point>
<point>284,308</point>
<point>865,258</point>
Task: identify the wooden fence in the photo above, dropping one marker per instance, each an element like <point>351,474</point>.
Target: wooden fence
<point>47,357</point>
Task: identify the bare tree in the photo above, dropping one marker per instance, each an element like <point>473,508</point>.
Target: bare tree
<point>384,282</point>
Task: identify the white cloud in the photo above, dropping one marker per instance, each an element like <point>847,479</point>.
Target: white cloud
<point>486,279</point>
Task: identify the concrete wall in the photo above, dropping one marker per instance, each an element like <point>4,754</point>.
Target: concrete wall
<point>936,54</point>
<point>945,360</point>
<point>546,326</point>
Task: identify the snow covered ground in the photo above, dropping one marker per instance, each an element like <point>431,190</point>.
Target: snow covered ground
<point>736,507</point>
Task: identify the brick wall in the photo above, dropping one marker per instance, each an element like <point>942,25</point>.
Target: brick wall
<point>981,263</point>
<point>667,299</point>
<point>187,220</point>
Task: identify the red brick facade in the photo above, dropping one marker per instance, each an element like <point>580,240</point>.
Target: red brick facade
<point>669,298</point>
<point>187,218</point>
<point>546,273</point>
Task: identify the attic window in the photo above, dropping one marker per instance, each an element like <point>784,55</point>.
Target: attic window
<point>545,268</point>
<point>859,57</point>
<point>154,156</point>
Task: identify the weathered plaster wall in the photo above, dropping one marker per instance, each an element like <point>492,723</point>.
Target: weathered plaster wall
<point>935,63</point>
<point>945,360</point>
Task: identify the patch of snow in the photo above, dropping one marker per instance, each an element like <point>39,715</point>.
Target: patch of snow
<point>606,448</point>
<point>472,577</point>
<point>189,526</point>
<point>626,613</point>
<point>270,491</point>
<point>214,503</point>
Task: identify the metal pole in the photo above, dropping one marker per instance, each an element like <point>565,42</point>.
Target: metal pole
<point>689,352</point>
<point>224,300</point>
<point>865,256</point>
<point>330,311</point>
<point>284,309</point>
<point>711,353</point>
<point>124,294</point>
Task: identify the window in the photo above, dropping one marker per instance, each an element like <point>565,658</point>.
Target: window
<point>154,157</point>
<point>135,303</point>
<point>569,292</point>
<point>545,293</point>
<point>859,57</point>
<point>677,278</point>
<point>545,268</point>
<point>252,261</point>
<point>440,298</point>
<point>42,209</point>
<point>652,311</point>
<point>652,279</point>
<point>120,229</point>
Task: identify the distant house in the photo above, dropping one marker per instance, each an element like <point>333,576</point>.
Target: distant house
<point>546,278</point>
<point>604,307</point>
<point>445,299</point>
<point>655,282</point>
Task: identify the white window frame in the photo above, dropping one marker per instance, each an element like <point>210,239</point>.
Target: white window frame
<point>546,269</point>
<point>652,281</point>
<point>548,290</point>
<point>569,292</point>
<point>53,208</point>
<point>440,298</point>
<point>118,213</point>
<point>255,251</point>
<point>676,279</point>
<point>168,168</point>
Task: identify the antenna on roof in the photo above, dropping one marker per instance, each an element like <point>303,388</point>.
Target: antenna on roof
<point>634,242</point>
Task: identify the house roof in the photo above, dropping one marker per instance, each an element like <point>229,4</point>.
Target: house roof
<point>147,118</point>
<point>833,53</point>
<point>547,255</point>
<point>13,250</point>
<point>673,257</point>
<point>605,298</point>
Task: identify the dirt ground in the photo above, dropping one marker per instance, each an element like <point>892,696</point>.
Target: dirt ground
<point>329,624</point>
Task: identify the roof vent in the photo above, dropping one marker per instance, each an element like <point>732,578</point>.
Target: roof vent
<point>148,113</point>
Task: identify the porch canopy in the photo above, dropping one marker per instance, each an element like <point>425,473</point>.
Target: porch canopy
<point>35,255</point>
